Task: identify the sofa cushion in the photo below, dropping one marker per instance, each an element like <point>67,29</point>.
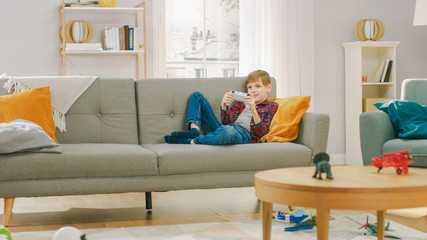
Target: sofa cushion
<point>285,124</point>
<point>182,159</point>
<point>104,113</point>
<point>418,149</point>
<point>162,103</point>
<point>409,118</point>
<point>33,105</point>
<point>81,160</point>
<point>22,136</point>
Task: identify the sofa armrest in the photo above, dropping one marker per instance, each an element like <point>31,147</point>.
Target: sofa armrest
<point>313,131</point>
<point>375,129</point>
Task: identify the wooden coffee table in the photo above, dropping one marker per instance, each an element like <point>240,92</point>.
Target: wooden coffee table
<point>357,188</point>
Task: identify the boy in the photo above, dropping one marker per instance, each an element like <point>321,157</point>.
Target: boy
<point>240,124</point>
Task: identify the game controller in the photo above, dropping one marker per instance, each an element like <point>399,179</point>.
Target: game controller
<point>240,97</point>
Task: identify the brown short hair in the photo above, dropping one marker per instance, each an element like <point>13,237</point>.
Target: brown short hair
<point>255,75</point>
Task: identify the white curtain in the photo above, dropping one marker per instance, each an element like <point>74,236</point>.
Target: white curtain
<point>278,36</point>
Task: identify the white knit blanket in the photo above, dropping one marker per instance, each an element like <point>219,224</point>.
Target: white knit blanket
<point>64,91</point>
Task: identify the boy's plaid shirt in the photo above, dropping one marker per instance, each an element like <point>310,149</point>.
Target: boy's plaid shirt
<point>266,111</point>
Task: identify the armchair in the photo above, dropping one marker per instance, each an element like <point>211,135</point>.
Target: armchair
<point>377,135</point>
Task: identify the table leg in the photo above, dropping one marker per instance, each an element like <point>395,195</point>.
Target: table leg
<point>380,224</point>
<point>267,217</point>
<point>322,222</point>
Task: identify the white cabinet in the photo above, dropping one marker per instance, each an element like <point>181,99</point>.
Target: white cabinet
<point>362,59</point>
<point>140,46</point>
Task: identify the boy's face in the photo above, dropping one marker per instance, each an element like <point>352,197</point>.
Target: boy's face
<point>258,91</point>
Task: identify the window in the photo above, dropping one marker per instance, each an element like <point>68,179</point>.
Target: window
<point>200,72</point>
<point>202,38</point>
<point>228,72</point>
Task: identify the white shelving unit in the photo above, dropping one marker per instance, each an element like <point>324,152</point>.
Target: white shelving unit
<point>139,12</point>
<point>362,58</point>
<point>109,52</point>
<point>103,9</point>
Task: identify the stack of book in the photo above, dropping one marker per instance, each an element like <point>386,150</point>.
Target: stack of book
<point>83,47</point>
<point>123,38</point>
<point>82,4</point>
<point>383,71</point>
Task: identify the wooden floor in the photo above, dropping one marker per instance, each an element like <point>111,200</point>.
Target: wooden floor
<point>175,207</point>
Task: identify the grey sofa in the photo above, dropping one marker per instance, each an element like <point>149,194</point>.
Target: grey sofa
<point>114,144</point>
<point>377,135</point>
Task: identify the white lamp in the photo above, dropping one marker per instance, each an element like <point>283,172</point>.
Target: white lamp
<point>420,15</point>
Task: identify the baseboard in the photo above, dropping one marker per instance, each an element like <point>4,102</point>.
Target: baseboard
<point>337,159</point>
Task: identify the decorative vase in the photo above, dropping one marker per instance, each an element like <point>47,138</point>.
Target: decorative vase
<point>107,3</point>
<point>77,31</point>
<point>369,29</point>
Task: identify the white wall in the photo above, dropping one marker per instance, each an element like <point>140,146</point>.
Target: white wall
<point>29,42</point>
<point>334,23</point>
<point>29,46</point>
<point>29,37</point>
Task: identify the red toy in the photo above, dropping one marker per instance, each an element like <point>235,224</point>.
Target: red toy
<point>399,160</point>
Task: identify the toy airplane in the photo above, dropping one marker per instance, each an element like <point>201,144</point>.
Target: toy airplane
<point>372,228</point>
<point>301,220</point>
<point>399,160</point>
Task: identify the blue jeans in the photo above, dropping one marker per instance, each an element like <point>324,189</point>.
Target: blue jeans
<point>200,113</point>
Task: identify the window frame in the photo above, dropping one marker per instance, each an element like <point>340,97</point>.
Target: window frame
<point>160,62</point>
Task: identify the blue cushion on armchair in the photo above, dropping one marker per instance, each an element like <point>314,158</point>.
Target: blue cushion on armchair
<point>409,118</point>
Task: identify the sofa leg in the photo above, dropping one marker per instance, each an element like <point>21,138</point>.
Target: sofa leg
<point>8,205</point>
<point>148,204</point>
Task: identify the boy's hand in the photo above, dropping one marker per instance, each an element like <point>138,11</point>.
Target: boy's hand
<point>227,99</point>
<point>251,101</point>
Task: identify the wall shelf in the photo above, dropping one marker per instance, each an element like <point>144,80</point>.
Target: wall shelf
<point>103,52</point>
<point>377,84</point>
<point>102,10</point>
<point>139,12</point>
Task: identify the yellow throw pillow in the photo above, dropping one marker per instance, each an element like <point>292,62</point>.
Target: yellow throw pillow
<point>285,124</point>
<point>33,105</point>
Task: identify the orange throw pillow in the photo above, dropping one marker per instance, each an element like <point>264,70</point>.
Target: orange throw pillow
<point>33,105</point>
<point>285,124</point>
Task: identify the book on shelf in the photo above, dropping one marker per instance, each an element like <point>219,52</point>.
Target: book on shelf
<point>116,39</point>
<point>104,39</point>
<point>126,27</point>
<point>131,38</point>
<point>388,72</point>
<point>123,38</point>
<point>378,72</point>
<point>383,71</point>
<point>83,47</point>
